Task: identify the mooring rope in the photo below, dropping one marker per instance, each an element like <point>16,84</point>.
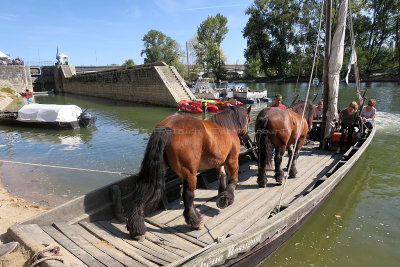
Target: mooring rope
<point>304,109</point>
<point>63,167</point>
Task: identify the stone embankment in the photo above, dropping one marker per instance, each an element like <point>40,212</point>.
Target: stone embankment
<point>16,77</point>
<point>155,84</point>
<point>5,100</point>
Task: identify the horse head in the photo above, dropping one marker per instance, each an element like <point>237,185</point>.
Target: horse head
<point>298,107</point>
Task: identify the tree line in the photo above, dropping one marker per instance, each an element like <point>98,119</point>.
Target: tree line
<point>281,37</point>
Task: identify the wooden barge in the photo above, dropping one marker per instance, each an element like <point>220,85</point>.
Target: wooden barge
<point>88,233</point>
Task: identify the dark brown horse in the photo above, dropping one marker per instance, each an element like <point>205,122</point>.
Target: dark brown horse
<point>186,145</point>
<point>280,127</point>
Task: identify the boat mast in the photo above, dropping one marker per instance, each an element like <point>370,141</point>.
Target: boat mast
<point>325,75</point>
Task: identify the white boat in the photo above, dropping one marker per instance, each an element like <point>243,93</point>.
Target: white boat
<point>240,92</point>
<point>49,116</point>
<point>203,89</point>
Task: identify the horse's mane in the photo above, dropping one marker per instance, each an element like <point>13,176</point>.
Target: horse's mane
<point>299,106</point>
<point>233,118</point>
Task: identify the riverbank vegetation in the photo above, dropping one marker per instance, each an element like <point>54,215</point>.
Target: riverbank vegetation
<point>281,37</point>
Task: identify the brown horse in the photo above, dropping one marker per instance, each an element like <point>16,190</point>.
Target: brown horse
<point>280,127</point>
<point>187,145</point>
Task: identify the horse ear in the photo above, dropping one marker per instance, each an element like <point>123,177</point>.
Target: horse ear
<point>248,110</point>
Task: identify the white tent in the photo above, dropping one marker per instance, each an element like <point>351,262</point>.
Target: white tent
<point>3,56</point>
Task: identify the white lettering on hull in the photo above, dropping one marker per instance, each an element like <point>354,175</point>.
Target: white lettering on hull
<point>230,253</point>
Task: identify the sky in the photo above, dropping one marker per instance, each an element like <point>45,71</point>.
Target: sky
<point>109,32</point>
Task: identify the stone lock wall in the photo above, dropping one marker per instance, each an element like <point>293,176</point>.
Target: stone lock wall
<point>140,84</point>
<point>16,77</point>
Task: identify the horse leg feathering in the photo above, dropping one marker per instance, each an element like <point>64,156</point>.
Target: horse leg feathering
<point>293,170</point>
<point>278,161</point>
<point>265,152</point>
<point>227,197</point>
<point>149,185</point>
<point>221,179</point>
<point>192,216</point>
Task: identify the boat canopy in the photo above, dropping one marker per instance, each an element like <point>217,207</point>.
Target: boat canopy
<point>49,113</point>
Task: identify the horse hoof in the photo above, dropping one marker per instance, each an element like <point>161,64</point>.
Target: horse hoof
<point>292,173</point>
<point>224,200</point>
<point>139,238</point>
<point>262,182</point>
<point>198,226</point>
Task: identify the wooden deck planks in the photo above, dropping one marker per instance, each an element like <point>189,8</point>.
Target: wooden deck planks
<point>72,247</point>
<point>209,210</point>
<point>116,242</point>
<point>263,209</point>
<point>153,247</point>
<point>86,245</point>
<point>105,246</point>
<point>138,247</point>
<point>201,195</point>
<point>177,241</point>
<point>290,196</point>
<point>247,210</point>
<point>36,239</point>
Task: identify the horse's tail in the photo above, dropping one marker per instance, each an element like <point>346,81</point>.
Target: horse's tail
<point>149,186</point>
<point>264,143</point>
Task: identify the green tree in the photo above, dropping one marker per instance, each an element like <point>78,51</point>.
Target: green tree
<point>271,33</point>
<point>252,67</point>
<point>128,63</point>
<point>210,35</point>
<point>159,47</point>
<point>375,29</point>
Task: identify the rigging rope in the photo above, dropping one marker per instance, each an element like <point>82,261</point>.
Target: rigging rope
<point>353,48</point>
<point>62,167</point>
<point>304,109</point>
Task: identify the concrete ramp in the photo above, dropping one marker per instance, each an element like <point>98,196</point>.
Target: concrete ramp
<point>68,70</point>
<point>175,84</point>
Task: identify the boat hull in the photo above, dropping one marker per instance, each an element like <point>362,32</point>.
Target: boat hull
<point>94,212</point>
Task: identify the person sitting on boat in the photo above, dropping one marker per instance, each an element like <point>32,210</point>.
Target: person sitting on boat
<point>368,113</point>
<point>278,101</point>
<point>315,132</point>
<point>347,120</point>
<point>318,110</point>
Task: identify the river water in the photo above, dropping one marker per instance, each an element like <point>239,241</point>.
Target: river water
<point>358,225</point>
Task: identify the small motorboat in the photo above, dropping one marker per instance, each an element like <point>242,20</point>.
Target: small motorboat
<point>189,106</point>
<point>49,116</point>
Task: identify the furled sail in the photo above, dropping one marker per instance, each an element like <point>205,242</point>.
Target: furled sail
<point>335,65</point>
